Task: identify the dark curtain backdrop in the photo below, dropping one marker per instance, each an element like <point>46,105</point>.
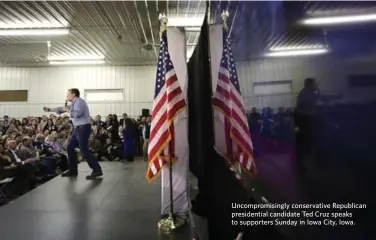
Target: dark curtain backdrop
<point>218,188</point>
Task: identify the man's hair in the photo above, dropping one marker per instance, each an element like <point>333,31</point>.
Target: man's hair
<point>50,137</point>
<point>75,91</point>
<point>309,82</point>
<point>24,139</point>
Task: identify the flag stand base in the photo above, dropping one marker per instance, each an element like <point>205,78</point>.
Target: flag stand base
<point>170,223</point>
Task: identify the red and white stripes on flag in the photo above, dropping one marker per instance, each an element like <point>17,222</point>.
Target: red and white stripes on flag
<point>229,106</point>
<point>168,103</point>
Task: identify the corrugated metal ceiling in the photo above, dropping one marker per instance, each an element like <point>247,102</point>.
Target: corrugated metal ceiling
<point>116,30</point>
<point>261,25</point>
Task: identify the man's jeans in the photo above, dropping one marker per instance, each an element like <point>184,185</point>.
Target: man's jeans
<point>80,138</point>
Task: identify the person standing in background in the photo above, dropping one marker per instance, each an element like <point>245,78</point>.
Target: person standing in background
<point>129,137</point>
<point>146,135</point>
<point>140,135</point>
<point>122,121</point>
<point>115,137</point>
<point>79,112</point>
<point>306,116</point>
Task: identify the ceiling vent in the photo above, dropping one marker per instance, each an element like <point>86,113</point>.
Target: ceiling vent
<point>147,47</point>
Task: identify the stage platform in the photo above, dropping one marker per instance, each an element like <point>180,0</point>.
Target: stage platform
<point>122,205</point>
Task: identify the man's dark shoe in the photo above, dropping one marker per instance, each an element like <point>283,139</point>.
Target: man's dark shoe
<point>69,173</point>
<point>94,175</point>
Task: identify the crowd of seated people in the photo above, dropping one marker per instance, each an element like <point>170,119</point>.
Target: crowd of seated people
<point>279,126</point>
<point>34,149</point>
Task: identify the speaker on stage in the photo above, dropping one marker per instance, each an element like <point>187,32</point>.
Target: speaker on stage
<point>145,112</point>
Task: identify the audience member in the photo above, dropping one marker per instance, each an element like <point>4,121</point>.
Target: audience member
<point>146,135</point>
<point>129,139</point>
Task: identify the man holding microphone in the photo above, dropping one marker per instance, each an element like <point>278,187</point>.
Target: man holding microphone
<point>80,115</point>
<point>307,117</point>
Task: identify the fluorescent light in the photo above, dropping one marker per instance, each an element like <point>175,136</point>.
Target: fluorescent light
<point>45,24</point>
<point>340,19</point>
<point>34,32</point>
<point>79,57</point>
<point>193,29</point>
<point>185,21</point>
<point>83,62</point>
<point>296,53</point>
<point>293,48</point>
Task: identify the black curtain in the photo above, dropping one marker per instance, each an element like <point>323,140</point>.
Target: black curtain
<point>200,116</point>
<point>218,188</point>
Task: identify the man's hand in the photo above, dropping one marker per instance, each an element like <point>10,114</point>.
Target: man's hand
<point>66,108</point>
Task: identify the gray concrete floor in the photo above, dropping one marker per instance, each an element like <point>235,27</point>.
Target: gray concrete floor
<point>122,205</point>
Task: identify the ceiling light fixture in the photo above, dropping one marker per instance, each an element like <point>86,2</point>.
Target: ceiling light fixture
<point>81,62</point>
<point>340,19</point>
<point>292,53</point>
<point>36,25</point>
<point>293,48</point>
<point>34,32</point>
<point>79,57</point>
<point>185,21</point>
<point>193,29</point>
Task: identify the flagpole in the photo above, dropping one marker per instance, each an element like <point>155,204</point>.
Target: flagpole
<point>172,222</point>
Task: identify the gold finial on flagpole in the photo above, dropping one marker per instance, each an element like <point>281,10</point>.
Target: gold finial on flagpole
<point>163,21</point>
<point>225,14</point>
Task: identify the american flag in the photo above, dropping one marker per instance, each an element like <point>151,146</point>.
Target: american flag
<point>168,103</point>
<point>228,100</point>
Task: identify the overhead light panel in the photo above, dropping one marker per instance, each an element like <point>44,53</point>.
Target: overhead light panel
<point>293,48</point>
<point>340,19</point>
<point>79,57</point>
<point>185,21</point>
<point>34,24</point>
<point>79,62</point>
<point>291,53</point>
<point>193,29</point>
<point>34,32</point>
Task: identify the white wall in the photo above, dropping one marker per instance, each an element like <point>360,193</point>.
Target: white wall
<point>48,87</point>
<point>330,71</point>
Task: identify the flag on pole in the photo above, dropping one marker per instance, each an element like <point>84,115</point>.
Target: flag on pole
<point>228,102</point>
<point>168,103</point>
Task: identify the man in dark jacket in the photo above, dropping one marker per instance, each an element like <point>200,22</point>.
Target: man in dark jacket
<point>146,135</point>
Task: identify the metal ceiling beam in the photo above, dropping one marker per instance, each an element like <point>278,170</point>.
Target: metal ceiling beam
<point>151,27</point>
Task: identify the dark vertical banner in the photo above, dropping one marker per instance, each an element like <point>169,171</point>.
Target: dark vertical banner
<point>217,186</point>
<point>200,116</point>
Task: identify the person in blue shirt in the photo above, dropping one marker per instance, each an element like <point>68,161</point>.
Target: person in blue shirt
<point>80,115</point>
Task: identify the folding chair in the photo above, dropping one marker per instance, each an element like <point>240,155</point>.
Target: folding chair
<point>3,184</point>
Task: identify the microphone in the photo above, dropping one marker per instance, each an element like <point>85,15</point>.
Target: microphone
<point>66,103</point>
